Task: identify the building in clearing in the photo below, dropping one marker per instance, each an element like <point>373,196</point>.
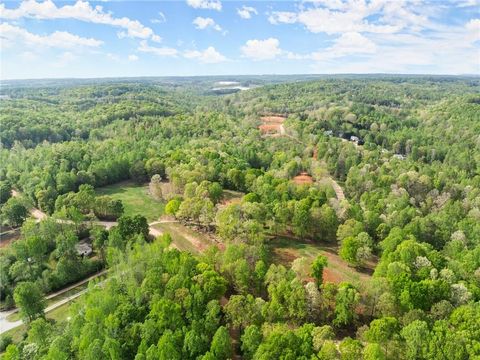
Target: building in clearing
<point>83,248</point>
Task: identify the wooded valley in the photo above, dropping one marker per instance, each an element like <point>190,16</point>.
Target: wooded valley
<point>304,218</point>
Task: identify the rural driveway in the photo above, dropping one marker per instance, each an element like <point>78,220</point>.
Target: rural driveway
<point>6,325</point>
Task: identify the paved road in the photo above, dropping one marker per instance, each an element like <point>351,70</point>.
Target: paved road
<point>6,325</point>
<point>39,215</point>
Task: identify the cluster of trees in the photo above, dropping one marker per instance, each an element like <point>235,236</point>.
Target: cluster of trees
<point>419,215</point>
<point>45,255</point>
<point>159,305</point>
<point>87,202</point>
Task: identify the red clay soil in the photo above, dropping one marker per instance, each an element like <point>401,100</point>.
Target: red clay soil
<point>272,119</point>
<point>330,276</point>
<point>269,128</point>
<point>303,178</point>
<point>271,124</point>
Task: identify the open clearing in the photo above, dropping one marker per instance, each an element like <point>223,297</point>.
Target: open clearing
<point>272,125</point>
<point>303,178</point>
<point>185,238</point>
<point>285,250</point>
<point>135,198</point>
<point>231,197</point>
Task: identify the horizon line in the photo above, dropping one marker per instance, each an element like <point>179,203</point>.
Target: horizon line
<point>238,75</point>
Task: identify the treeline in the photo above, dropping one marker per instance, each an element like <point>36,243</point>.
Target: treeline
<point>164,304</point>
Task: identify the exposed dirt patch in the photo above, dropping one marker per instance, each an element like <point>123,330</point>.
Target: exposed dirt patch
<point>8,237</point>
<point>272,125</point>
<point>225,202</point>
<point>285,256</point>
<point>303,178</point>
<point>272,119</point>
<point>269,129</point>
<point>331,276</point>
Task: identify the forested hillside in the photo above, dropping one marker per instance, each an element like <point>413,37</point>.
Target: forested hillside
<point>343,214</point>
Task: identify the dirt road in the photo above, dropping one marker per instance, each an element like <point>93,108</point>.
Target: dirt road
<point>338,190</point>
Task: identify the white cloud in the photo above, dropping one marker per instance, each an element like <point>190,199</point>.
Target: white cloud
<point>347,44</point>
<point>113,57</point>
<point>64,59</point>
<point>208,56</point>
<point>59,39</point>
<point>159,51</point>
<point>332,22</point>
<point>261,49</point>
<point>161,18</point>
<point>81,11</point>
<point>338,16</point>
<point>285,17</point>
<point>28,56</point>
<point>205,4</point>
<point>294,56</point>
<point>133,57</point>
<point>473,30</point>
<point>409,53</point>
<point>202,23</point>
<point>246,12</point>
<point>467,3</point>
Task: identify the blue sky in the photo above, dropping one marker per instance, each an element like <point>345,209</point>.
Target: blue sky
<point>44,39</point>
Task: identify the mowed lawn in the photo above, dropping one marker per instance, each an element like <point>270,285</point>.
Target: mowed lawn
<point>135,199</point>
<point>285,250</point>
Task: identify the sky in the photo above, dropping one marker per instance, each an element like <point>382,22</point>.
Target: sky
<point>53,39</point>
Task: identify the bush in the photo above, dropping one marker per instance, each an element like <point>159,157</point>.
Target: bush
<point>5,340</point>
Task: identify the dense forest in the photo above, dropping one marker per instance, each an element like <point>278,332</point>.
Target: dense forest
<point>392,169</point>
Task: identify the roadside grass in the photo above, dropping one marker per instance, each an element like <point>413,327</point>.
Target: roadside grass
<point>135,199</point>
<point>285,250</point>
<point>59,314</point>
<point>17,334</point>
<point>16,316</point>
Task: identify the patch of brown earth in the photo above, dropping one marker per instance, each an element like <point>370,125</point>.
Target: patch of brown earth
<point>269,128</point>
<point>331,276</point>
<point>303,178</point>
<point>226,202</point>
<point>272,119</point>
<point>285,256</point>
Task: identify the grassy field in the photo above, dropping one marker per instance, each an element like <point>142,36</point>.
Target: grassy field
<point>185,238</point>
<point>285,251</point>
<point>135,198</point>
